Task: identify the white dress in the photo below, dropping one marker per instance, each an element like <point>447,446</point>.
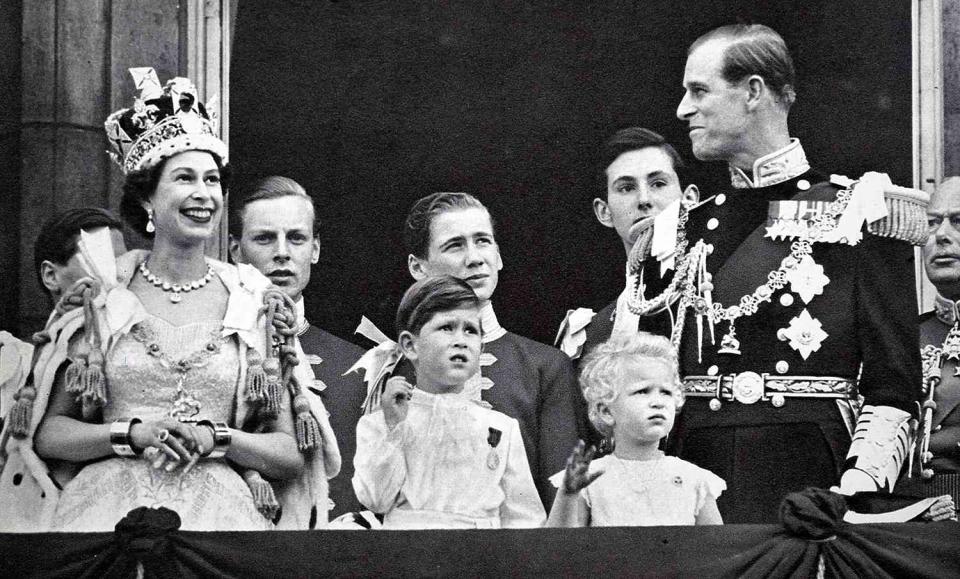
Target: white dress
<point>146,379</point>
<point>450,464</point>
<point>644,493</point>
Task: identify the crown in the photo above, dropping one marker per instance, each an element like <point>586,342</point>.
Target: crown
<point>164,120</point>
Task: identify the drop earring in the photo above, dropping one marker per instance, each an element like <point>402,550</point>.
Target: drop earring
<point>150,226</point>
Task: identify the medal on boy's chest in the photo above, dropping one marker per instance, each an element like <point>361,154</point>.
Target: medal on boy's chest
<point>493,439</point>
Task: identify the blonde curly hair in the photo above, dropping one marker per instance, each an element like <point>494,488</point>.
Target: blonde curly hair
<point>603,375</point>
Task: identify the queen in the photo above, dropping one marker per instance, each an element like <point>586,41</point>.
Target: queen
<point>165,391</point>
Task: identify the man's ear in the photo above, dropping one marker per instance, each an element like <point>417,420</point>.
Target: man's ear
<point>234,246</point>
<point>756,89</point>
<point>315,251</point>
<point>602,211</point>
<point>49,276</point>
<point>690,196</point>
<point>417,267</point>
<point>408,345</point>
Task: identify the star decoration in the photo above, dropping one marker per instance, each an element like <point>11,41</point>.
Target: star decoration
<point>951,345</point>
<point>807,279</point>
<point>805,334</point>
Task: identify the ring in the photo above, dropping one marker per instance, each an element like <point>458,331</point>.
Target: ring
<point>163,435</point>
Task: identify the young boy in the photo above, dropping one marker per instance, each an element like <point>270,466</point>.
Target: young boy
<point>431,458</point>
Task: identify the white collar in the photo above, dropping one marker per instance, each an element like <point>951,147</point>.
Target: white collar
<point>777,167</point>
<point>302,324</point>
<point>492,330</point>
<point>947,310</point>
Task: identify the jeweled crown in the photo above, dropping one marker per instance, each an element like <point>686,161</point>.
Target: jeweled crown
<point>164,120</point>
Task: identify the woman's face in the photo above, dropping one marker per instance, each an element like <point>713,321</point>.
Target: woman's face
<point>188,201</point>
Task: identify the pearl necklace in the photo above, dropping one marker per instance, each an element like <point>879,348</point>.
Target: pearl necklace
<point>176,289</point>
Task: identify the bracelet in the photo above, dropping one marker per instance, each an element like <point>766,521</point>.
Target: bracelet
<point>221,438</point>
<point>120,436</point>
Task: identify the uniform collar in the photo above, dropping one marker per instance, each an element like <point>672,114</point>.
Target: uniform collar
<point>302,324</point>
<point>947,310</point>
<point>777,167</point>
<point>492,330</point>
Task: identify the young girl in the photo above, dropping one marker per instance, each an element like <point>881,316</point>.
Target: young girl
<point>633,391</point>
<point>431,458</point>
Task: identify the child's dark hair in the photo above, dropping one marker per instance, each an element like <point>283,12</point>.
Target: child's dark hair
<point>431,296</point>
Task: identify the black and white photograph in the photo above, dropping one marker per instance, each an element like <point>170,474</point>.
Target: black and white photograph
<point>457,288</point>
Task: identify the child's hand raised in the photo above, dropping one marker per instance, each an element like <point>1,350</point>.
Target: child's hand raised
<point>577,475</point>
<point>396,395</point>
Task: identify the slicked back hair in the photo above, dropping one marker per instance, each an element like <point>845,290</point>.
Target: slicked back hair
<point>416,228</point>
<point>273,187</point>
<point>755,49</point>
<point>634,139</point>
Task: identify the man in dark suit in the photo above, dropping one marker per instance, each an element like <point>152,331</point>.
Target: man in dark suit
<point>275,229</point>
<point>809,308</point>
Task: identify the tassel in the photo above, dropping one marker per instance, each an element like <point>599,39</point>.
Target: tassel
<point>307,427</point>
<point>22,411</point>
<point>256,377</point>
<point>74,374</point>
<point>263,497</point>
<point>271,400</point>
<point>93,381</point>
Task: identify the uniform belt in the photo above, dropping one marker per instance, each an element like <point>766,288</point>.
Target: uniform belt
<point>750,387</point>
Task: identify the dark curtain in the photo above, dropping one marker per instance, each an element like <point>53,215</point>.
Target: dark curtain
<point>892,550</point>
<point>373,104</point>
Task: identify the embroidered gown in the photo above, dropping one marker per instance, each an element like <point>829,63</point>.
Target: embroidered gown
<point>152,370</point>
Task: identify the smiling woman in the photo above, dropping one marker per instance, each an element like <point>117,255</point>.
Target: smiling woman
<point>156,394</point>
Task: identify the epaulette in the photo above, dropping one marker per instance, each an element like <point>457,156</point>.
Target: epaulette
<point>907,215</point>
<point>887,209</point>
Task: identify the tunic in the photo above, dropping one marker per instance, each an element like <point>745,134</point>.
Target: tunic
<point>934,328</point>
<point>535,384</point>
<point>450,463</point>
<point>343,396</point>
<point>866,310</point>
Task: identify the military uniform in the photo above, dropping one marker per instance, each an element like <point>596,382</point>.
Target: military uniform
<point>342,395</point>
<point>766,404</point>
<point>934,330</point>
